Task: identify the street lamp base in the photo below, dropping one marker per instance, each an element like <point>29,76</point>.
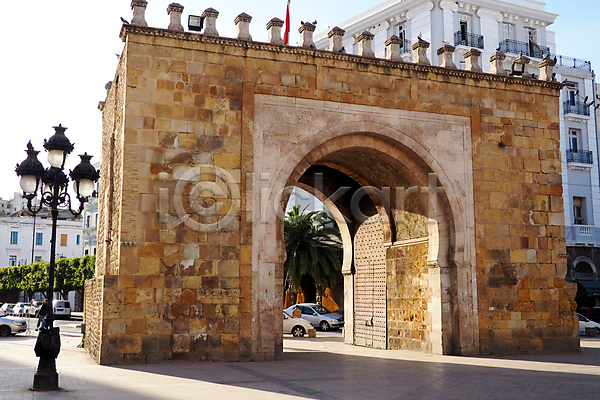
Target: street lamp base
<point>46,377</point>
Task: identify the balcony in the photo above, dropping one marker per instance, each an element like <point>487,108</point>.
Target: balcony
<point>577,107</point>
<point>582,234</point>
<point>405,47</point>
<point>571,62</point>
<point>468,39</point>
<point>580,156</point>
<point>528,49</point>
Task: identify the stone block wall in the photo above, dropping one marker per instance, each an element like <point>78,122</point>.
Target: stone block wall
<point>409,321</point>
<point>92,312</point>
<point>179,120</point>
<point>524,303</point>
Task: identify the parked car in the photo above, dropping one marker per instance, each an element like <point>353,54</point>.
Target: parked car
<point>34,307</point>
<point>319,316</point>
<point>61,309</point>
<point>592,313</point>
<point>19,309</point>
<point>296,326</point>
<point>6,308</point>
<point>11,325</point>
<point>587,323</point>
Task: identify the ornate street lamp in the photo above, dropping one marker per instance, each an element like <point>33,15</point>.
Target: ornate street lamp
<point>52,185</point>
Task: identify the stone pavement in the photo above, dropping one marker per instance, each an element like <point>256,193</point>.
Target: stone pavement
<point>316,368</point>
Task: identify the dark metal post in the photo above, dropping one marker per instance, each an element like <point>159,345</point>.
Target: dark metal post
<point>33,175</point>
<point>33,240</point>
<point>47,346</point>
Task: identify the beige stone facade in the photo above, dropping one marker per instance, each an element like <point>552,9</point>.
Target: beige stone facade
<point>202,136</point>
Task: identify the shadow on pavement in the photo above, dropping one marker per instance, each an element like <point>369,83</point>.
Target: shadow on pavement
<point>329,375</point>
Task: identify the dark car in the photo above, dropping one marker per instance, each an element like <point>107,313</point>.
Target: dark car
<point>591,313</point>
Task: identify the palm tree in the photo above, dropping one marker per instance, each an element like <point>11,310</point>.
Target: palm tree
<point>313,246</point>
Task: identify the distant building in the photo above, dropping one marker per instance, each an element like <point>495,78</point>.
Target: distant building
<point>513,27</point>
<point>18,240</point>
<point>89,219</point>
<point>17,203</point>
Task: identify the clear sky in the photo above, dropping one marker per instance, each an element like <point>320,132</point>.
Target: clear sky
<point>58,55</point>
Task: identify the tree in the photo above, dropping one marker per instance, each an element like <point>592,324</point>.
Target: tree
<point>313,246</point>
<point>71,274</point>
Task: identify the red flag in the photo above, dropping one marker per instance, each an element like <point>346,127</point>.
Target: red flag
<point>286,35</point>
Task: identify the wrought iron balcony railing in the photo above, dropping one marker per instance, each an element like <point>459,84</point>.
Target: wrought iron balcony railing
<point>405,48</point>
<point>580,156</point>
<point>576,108</point>
<point>468,39</point>
<point>528,49</point>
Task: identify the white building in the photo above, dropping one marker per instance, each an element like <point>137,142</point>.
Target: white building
<point>17,203</point>
<point>513,27</point>
<point>89,219</point>
<point>18,241</point>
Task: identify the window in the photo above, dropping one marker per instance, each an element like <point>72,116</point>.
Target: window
<point>463,20</point>
<point>578,210</point>
<point>463,30</point>
<point>78,237</point>
<point>14,237</point>
<point>12,261</point>
<point>574,140</point>
<point>86,252</point>
<point>39,238</point>
<point>531,35</point>
<point>87,221</point>
<point>402,36</point>
<point>572,92</point>
<point>534,49</point>
<point>63,239</point>
<point>38,258</point>
<point>509,31</point>
<point>401,33</point>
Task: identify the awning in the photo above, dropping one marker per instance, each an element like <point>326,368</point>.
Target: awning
<point>587,289</point>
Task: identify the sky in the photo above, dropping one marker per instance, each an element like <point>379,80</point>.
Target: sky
<point>57,59</point>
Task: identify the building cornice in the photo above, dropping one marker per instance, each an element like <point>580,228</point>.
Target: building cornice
<point>324,54</point>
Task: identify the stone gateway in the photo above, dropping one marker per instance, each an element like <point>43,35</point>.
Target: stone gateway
<point>445,183</point>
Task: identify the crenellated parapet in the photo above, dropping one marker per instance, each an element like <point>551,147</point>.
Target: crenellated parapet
<point>395,46</point>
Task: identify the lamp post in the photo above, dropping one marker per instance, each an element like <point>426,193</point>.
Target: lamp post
<point>52,184</point>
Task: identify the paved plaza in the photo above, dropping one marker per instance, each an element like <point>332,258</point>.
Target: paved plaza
<point>315,368</point>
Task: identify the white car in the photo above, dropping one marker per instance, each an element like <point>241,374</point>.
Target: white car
<point>11,325</point>
<point>319,316</point>
<point>34,307</point>
<point>20,309</point>
<point>586,323</point>
<point>298,327</point>
<point>61,309</point>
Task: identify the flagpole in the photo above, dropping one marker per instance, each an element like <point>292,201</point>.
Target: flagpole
<point>286,35</point>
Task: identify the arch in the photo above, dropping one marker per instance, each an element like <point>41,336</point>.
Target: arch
<point>415,164</point>
<point>413,144</point>
<point>341,222</point>
<point>580,264</point>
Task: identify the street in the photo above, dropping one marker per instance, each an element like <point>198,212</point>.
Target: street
<point>313,368</point>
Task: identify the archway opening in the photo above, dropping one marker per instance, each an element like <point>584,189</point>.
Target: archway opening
<point>397,276</point>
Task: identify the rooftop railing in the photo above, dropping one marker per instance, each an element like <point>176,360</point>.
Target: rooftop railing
<point>531,49</point>
<point>571,62</point>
